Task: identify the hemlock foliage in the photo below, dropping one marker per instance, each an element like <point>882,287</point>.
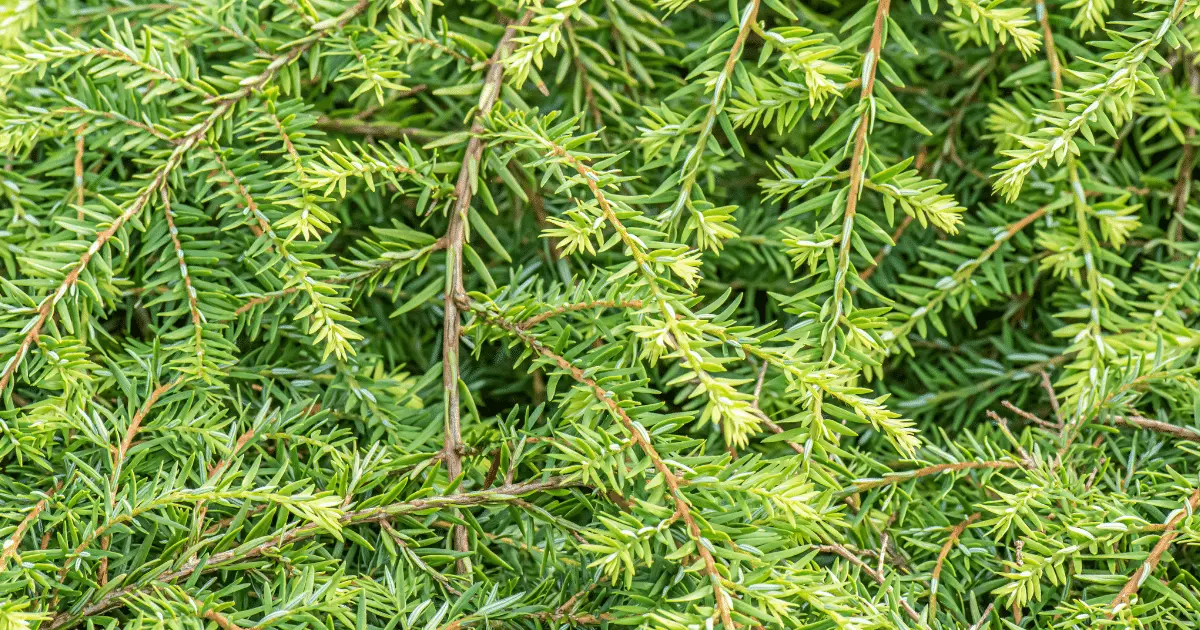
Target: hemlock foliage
<point>663,314</point>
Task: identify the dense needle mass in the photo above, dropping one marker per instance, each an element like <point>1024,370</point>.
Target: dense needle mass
<point>666,314</point>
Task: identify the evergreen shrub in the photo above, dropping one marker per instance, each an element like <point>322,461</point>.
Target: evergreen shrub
<point>664,314</point>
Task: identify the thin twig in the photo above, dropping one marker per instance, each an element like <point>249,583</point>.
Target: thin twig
<point>1138,422</point>
<point>900,477</point>
<point>135,425</point>
<point>837,549</point>
<point>987,613</point>
<point>857,166</point>
<point>1183,187</point>
<point>935,577</point>
<point>1028,416</point>
<point>14,542</point>
<point>1003,424</point>
<point>80,188</point>
<point>1049,387</point>
<point>582,306</point>
<point>1164,543</point>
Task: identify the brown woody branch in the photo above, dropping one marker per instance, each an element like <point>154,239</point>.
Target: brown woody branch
<point>455,237</point>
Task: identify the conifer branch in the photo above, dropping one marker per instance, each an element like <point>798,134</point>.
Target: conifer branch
<point>1186,434</point>
<point>12,545</point>
<point>72,277</point>
<point>263,299</point>
<point>189,290</point>
<point>468,179</point>
<point>871,573</point>
<point>295,534</point>
<point>1076,192</point>
<point>638,435</point>
<point>581,306</point>
<point>1107,95</point>
<point>118,464</point>
<point>80,188</point>
<point>724,80</point>
<point>961,276</point>
<point>193,136</point>
<point>665,337</point>
<point>900,477</point>
<point>857,166</point>
<point>1140,576</point>
<point>935,576</point>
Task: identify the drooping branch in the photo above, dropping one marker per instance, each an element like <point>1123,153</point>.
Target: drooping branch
<point>683,509</point>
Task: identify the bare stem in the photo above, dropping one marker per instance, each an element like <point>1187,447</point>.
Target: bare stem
<point>455,237</point>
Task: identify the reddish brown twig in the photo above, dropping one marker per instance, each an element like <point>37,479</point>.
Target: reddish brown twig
<point>14,542</point>
<point>222,621</point>
<point>837,549</point>
<point>900,477</point>
<point>1028,416</point>
<point>135,425</point>
<point>582,306</point>
<point>987,613</point>
<point>1138,422</point>
<point>857,168</point>
<point>1049,387</point>
<point>219,467</point>
<point>263,299</point>
<point>79,184</point>
<point>934,578</point>
<point>1147,567</point>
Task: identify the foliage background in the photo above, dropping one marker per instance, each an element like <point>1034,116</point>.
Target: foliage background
<point>598,313</point>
